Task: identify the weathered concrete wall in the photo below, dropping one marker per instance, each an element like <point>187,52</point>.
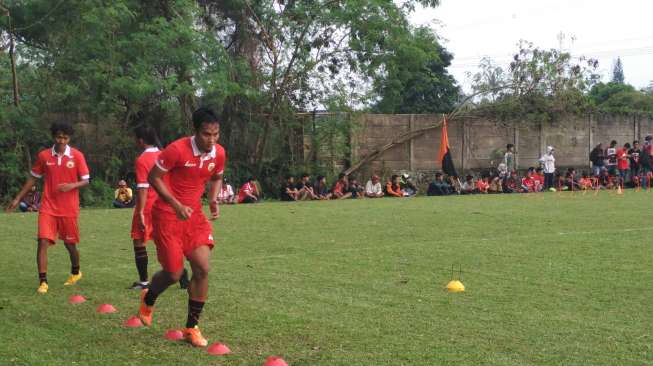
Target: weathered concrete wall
<point>479,144</point>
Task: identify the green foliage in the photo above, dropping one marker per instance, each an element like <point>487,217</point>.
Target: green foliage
<point>97,194</point>
<point>415,78</point>
<point>621,98</point>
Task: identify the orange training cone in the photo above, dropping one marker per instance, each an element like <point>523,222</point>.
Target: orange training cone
<point>133,322</point>
<point>174,335</point>
<point>275,361</point>
<point>218,349</point>
<point>76,299</point>
<point>106,309</point>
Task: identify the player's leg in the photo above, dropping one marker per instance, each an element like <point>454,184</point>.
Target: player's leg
<point>197,293</point>
<point>141,260</point>
<point>69,232</point>
<point>42,264</point>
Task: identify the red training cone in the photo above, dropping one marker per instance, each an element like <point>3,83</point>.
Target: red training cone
<point>174,335</point>
<point>218,349</point>
<point>76,299</point>
<point>275,361</point>
<point>133,322</point>
<point>106,309</point>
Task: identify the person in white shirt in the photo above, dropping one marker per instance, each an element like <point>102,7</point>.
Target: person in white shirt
<point>373,187</point>
<point>226,194</point>
<point>548,162</point>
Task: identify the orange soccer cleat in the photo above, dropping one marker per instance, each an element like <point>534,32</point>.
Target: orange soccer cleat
<point>145,311</point>
<point>194,337</point>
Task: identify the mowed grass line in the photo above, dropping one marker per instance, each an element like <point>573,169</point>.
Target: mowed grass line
<point>552,279</point>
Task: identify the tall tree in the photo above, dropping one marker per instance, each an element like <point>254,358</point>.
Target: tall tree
<point>618,72</point>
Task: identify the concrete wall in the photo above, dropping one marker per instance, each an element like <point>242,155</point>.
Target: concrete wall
<point>478,144</point>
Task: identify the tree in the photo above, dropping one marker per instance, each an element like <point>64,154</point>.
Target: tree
<point>415,78</point>
<point>618,72</point>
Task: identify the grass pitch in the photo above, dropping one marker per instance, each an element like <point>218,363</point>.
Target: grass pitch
<point>552,279</point>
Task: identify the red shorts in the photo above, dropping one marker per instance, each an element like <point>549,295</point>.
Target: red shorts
<point>176,239</point>
<point>137,232</point>
<point>65,228</point>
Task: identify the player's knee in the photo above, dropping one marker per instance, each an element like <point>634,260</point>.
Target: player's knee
<point>176,275</point>
<point>201,271</point>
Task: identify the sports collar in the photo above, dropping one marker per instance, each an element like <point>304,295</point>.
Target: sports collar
<point>196,150</point>
<point>151,149</point>
<point>67,152</point>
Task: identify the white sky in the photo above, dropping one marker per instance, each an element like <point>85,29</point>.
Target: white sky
<point>601,29</point>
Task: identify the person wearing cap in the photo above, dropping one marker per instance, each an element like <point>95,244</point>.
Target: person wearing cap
<point>123,196</point>
<point>373,188</point>
<point>548,164</point>
<point>408,188</point>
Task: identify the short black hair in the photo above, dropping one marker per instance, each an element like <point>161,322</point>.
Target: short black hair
<point>320,177</point>
<point>635,142</point>
<point>305,175</point>
<point>147,134</point>
<point>438,174</point>
<point>627,145</point>
<point>509,146</point>
<point>613,142</point>
<point>57,127</point>
<point>204,115</point>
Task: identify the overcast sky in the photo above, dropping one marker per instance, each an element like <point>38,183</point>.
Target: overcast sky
<point>601,29</point>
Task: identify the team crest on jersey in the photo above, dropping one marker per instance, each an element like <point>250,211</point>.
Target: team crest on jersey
<point>70,164</point>
<point>211,166</point>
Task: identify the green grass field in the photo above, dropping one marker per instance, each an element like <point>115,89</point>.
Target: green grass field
<point>551,280</point>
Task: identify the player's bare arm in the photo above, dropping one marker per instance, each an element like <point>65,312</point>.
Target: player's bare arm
<point>141,200</point>
<point>215,186</point>
<point>155,178</point>
<point>66,187</point>
<point>31,181</point>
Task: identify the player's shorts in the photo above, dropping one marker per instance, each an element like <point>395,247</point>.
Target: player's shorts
<point>138,233</point>
<point>176,239</point>
<point>51,227</point>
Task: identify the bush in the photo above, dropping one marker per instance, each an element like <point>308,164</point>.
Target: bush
<point>97,194</point>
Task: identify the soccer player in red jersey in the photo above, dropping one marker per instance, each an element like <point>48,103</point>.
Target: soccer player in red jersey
<point>180,228</point>
<point>64,171</point>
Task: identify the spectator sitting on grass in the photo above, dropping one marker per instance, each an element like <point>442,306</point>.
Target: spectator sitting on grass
<point>528,183</point>
<point>340,188</point>
<point>512,184</point>
<point>123,196</point>
<point>288,192</point>
<point>408,188</point>
<point>305,189</point>
<point>31,202</point>
<point>570,180</point>
<point>538,179</point>
<point>439,187</point>
<point>393,187</point>
<point>496,185</point>
<point>248,193</point>
<point>356,190</point>
<point>454,182</point>
<point>320,188</point>
<point>373,187</point>
<point>226,194</point>
<point>483,184</point>
<point>585,183</point>
<point>606,181</point>
<point>469,186</point>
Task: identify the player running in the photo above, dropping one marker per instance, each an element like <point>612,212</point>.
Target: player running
<point>64,171</point>
<point>141,231</point>
<point>180,228</point>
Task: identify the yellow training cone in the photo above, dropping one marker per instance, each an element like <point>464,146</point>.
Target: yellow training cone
<point>455,286</point>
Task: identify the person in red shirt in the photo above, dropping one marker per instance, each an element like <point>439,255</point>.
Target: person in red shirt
<point>623,162</point>
<point>64,171</point>
<point>483,184</point>
<point>180,228</point>
<point>341,187</point>
<point>248,192</point>
<point>141,230</point>
<point>528,183</point>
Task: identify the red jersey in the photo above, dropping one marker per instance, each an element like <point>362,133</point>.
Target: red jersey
<point>622,159</point>
<point>246,188</point>
<point>482,185</point>
<point>188,171</point>
<point>528,183</point>
<point>538,179</point>
<point>58,169</point>
<point>142,166</point>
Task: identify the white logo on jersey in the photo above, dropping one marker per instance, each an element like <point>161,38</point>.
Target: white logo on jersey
<point>211,166</point>
<point>210,236</point>
<point>70,164</point>
<point>189,164</point>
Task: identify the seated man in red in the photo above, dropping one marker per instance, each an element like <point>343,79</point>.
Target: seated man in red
<point>248,193</point>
